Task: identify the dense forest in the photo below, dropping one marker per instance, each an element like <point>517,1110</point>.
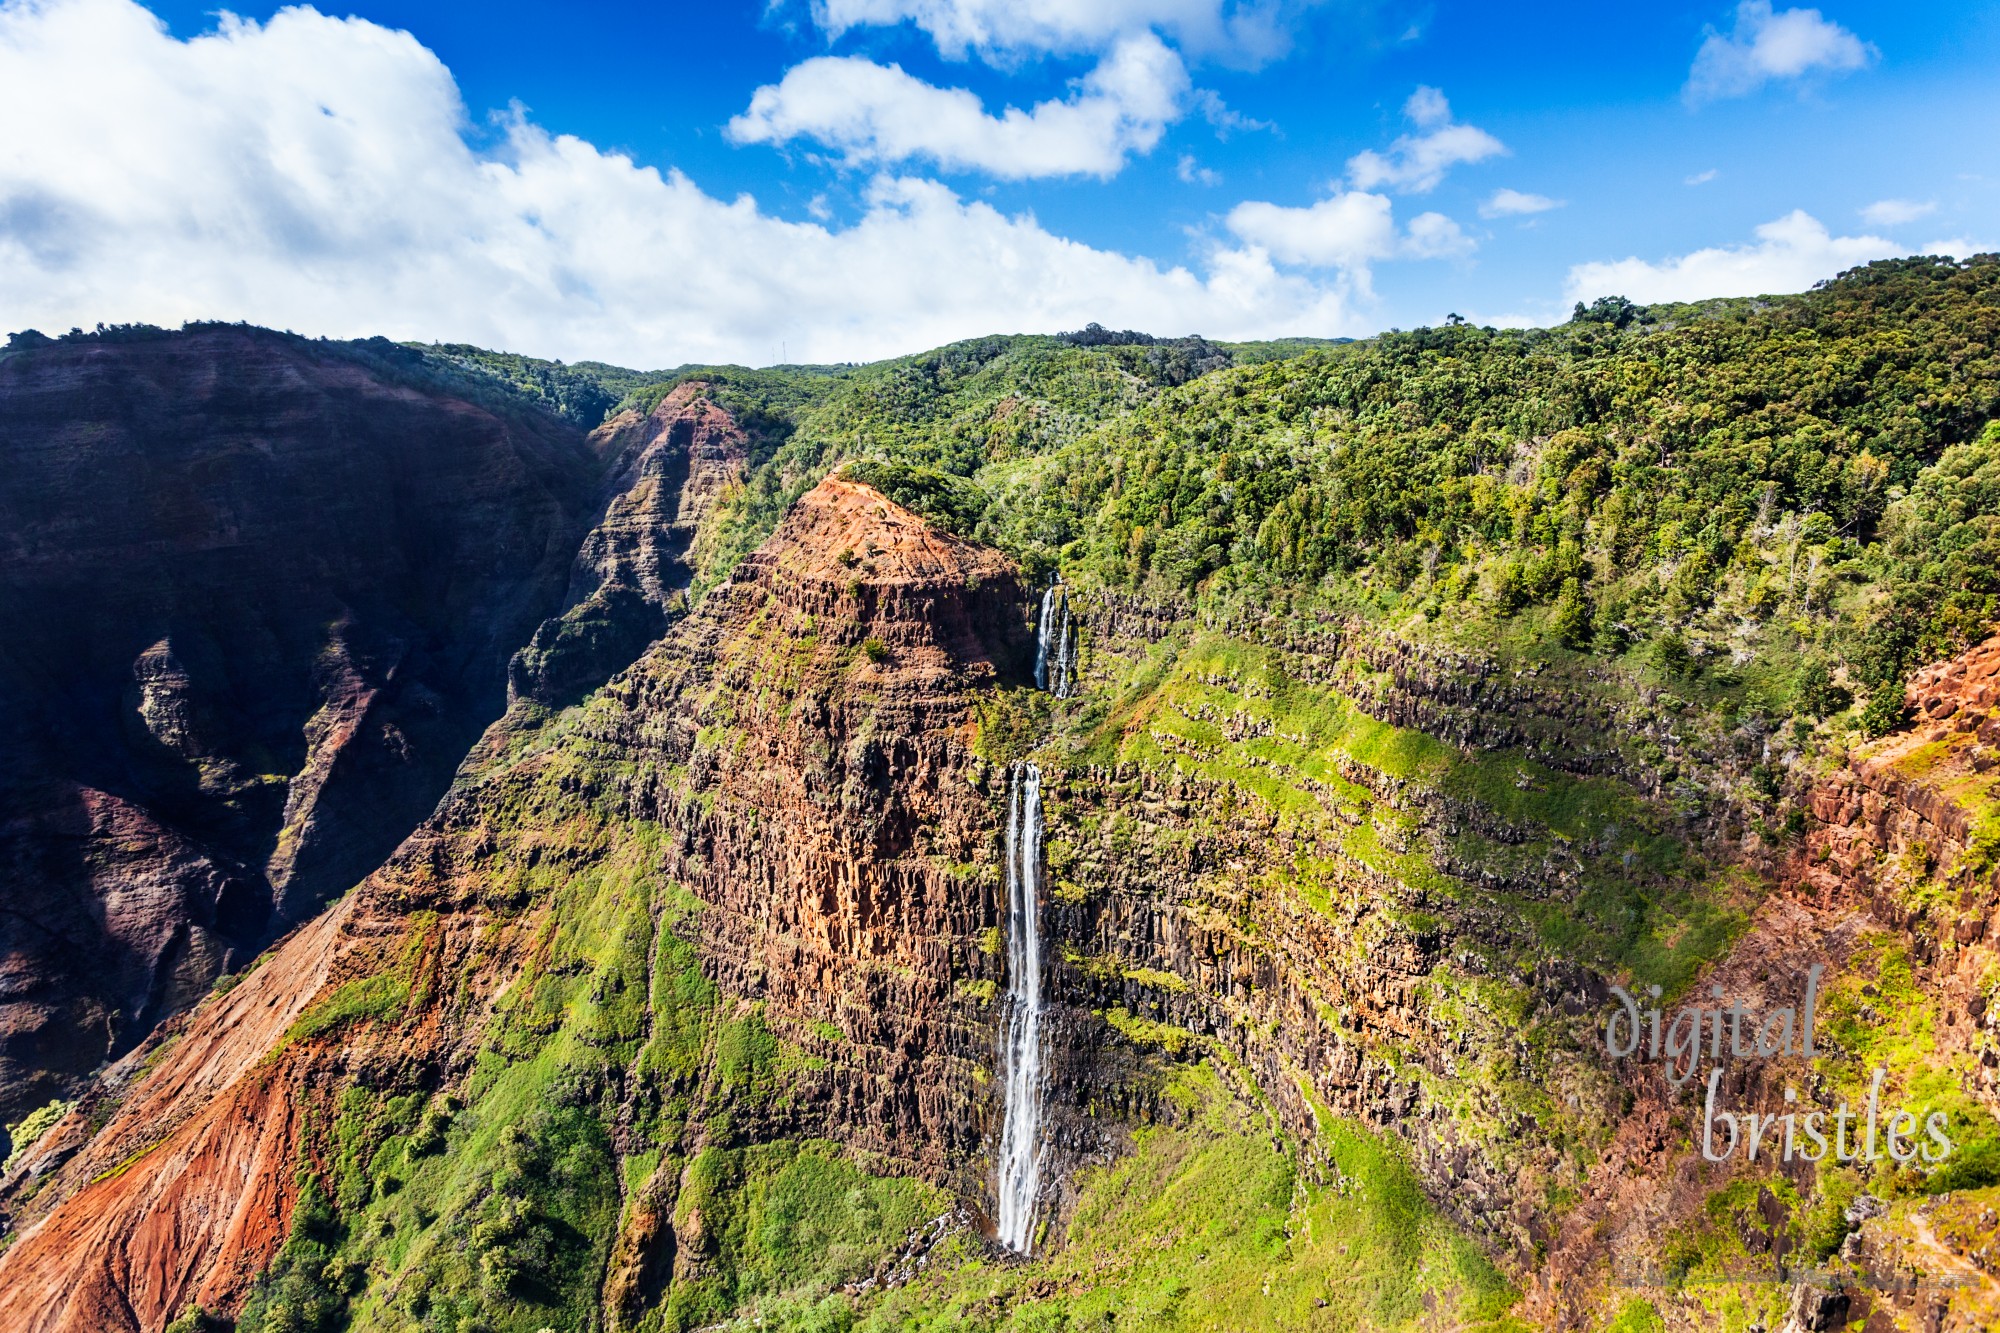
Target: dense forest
<point>1780,504</point>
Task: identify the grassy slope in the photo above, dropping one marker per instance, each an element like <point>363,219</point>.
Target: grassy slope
<point>1219,1223</point>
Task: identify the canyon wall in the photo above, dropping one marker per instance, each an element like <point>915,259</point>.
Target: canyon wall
<point>744,900</point>
<point>783,785</point>
<point>264,594</point>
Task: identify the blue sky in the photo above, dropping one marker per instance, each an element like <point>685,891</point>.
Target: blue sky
<point>843,180</point>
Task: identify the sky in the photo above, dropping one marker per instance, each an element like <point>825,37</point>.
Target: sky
<point>843,180</point>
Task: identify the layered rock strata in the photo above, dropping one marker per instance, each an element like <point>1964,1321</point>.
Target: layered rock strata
<point>664,471</point>
<point>802,745</point>
<point>263,596</point>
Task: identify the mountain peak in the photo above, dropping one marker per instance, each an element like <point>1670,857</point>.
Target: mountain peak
<point>849,534</point>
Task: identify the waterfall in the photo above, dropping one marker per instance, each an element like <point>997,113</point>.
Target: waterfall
<point>1021,1057</point>
<point>1020,1157</point>
<point>1053,671</point>
<point>1042,638</point>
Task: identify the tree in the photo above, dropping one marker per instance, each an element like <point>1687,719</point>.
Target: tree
<point>1571,618</point>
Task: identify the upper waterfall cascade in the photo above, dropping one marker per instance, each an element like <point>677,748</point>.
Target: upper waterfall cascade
<point>1055,644</point>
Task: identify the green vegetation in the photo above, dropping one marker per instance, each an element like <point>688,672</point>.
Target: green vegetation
<point>1876,1016</point>
<point>194,1319</point>
<point>778,1226</point>
<point>23,1133</point>
<point>1637,1315</point>
<point>1677,484</point>
<point>1214,1222</point>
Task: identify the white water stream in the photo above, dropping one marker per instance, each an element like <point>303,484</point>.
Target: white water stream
<point>1053,671</point>
<point>1042,638</point>
<point>1021,1057</point>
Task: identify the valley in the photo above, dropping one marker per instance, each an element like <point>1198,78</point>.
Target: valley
<point>1038,835</point>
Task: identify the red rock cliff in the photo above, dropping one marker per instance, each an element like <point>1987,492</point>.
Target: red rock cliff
<point>803,741</point>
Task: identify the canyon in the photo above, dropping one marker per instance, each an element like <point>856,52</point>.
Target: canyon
<point>879,918</point>
<point>265,594</point>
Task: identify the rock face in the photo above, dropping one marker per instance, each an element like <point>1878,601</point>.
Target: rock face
<point>808,739</point>
<point>663,474</point>
<point>208,1143</point>
<point>261,597</point>
<point>801,742</point>
<point>1889,855</point>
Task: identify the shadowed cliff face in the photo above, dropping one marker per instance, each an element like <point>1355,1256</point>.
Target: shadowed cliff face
<point>261,596</point>
<point>663,474</point>
<point>781,794</point>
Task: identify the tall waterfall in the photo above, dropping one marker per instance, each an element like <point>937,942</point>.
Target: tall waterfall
<point>1021,1057</point>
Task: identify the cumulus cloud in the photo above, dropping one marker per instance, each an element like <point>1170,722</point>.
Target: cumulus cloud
<point>1896,212</point>
<point>872,114</point>
<point>1788,255</point>
<point>1766,45</point>
<point>1241,31</point>
<point>1435,236</point>
<point>313,173</point>
<point>1349,230</point>
<point>875,114</point>
<point>1418,162</point>
<point>1505,203</point>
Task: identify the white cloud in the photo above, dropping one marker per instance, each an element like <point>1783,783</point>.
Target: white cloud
<point>1418,162</point>
<point>1702,177</point>
<point>1435,236</point>
<point>1193,173</point>
<point>876,114</point>
<point>1506,203</point>
<point>1240,31</point>
<point>1427,107</point>
<point>1348,231</point>
<point>1895,212</point>
<point>1219,114</point>
<point>1789,255</point>
<point>312,173</point>
<point>1958,247</point>
<point>1766,45</point>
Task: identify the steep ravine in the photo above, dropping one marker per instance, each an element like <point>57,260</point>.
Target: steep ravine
<point>262,596</point>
